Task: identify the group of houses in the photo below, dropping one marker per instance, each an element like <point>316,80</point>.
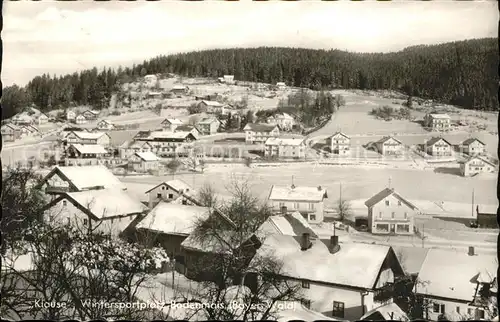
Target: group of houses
<point>337,277</point>
<point>12,132</point>
<point>82,118</point>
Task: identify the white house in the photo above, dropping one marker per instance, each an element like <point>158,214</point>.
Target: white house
<point>285,148</point>
<point>180,89</point>
<point>110,211</point>
<point>82,137</point>
<point>80,119</point>
<point>389,213</point>
<point>10,132</point>
<point>91,114</point>
<point>339,144</point>
<point>209,106</point>
<point>459,285</point>
<point>105,125</point>
<point>260,132</point>
<point>70,115</point>
<point>475,165</point>
<point>437,121</point>
<point>281,86</point>
<point>228,79</point>
<point>389,146</point>
<point>144,161</point>
<point>76,178</point>
<point>438,147</point>
<point>150,80</point>
<point>171,124</point>
<point>208,125</point>
<point>473,146</point>
<point>291,224</point>
<point>285,121</point>
<point>129,148</point>
<point>309,201</point>
<point>337,279</point>
<point>86,154</point>
<point>169,191</point>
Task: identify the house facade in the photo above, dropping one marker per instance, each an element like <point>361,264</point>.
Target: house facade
<point>458,285</point>
<point>168,191</point>
<point>475,165</point>
<point>209,106</point>
<point>144,162</point>
<point>82,155</point>
<point>473,146</point>
<point>389,146</point>
<point>10,132</point>
<point>105,125</point>
<point>167,143</point>
<point>208,126</point>
<point>170,124</point>
<point>285,148</point>
<point>180,90</point>
<point>70,115</point>
<point>190,129</point>
<point>260,132</point>
<point>285,121</point>
<point>85,138</point>
<point>281,86</point>
<point>339,144</point>
<point>129,148</point>
<point>308,201</point>
<point>438,147</point>
<point>437,122</point>
<point>344,277</point>
<point>80,119</point>
<point>389,213</point>
<point>90,114</point>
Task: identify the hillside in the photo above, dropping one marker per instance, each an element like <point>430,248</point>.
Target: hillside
<point>462,73</point>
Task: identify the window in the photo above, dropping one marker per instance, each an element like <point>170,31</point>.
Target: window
<point>458,309</point>
<point>158,195</point>
<point>393,214</point>
<point>296,205</point>
<point>311,206</point>
<point>479,314</point>
<point>163,188</point>
<point>382,227</point>
<point>399,203</point>
<point>85,222</point>
<point>338,309</point>
<point>406,215</point>
<point>387,202</point>
<point>469,311</point>
<point>170,196</point>
<point>312,217</point>
<point>281,205</point>
<point>438,308</point>
<point>380,214</point>
<point>403,228</point>
<point>65,203</point>
<point>305,284</point>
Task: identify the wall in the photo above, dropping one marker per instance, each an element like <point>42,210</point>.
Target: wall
<point>387,215</point>
<point>164,191</point>
<point>474,148</point>
<point>450,310</point>
<point>303,207</point>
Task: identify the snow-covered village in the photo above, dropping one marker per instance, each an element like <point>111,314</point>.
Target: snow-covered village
<point>200,175</point>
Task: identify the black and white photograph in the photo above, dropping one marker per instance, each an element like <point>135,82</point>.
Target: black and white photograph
<point>250,160</point>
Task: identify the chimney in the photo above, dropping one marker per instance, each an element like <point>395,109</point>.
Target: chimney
<point>334,244</point>
<point>471,251</point>
<point>319,188</point>
<point>283,210</point>
<point>306,241</point>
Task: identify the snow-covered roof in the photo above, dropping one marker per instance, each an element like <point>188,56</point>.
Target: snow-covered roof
<point>411,258</point>
<point>439,116</point>
<point>211,103</point>
<point>177,185</point>
<point>180,87</point>
<point>472,140</point>
<point>105,203</point>
<point>92,112</point>
<point>169,135</point>
<point>88,135</point>
<point>297,193</point>
<point>259,127</point>
<point>435,140</point>
<point>384,194</point>
<point>487,209</point>
<point>387,138</point>
<point>284,116</point>
<point>287,141</point>
<point>301,313</point>
<point>216,244</point>
<point>10,125</point>
<point>171,218</point>
<point>354,265</point>
<point>155,93</point>
<point>147,156</point>
<point>476,157</point>
<point>90,148</point>
<point>86,177</point>
<point>208,120</point>
<point>293,224</point>
<point>173,121</point>
<point>339,133</point>
<point>19,263</point>
<point>280,84</point>
<point>108,122</point>
<point>454,274</point>
<point>390,312</point>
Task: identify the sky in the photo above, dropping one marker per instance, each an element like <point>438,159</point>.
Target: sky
<point>64,37</point>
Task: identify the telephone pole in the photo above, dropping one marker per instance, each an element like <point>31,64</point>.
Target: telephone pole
<point>473,201</point>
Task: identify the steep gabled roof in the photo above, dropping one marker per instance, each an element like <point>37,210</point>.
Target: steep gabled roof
<point>472,140</point>
<point>147,156</point>
<point>471,158</point>
<point>297,193</point>
<point>87,177</point>
<point>384,194</point>
<point>435,140</point>
<point>89,148</point>
<point>387,138</point>
<point>260,127</point>
<point>339,133</point>
<point>177,185</point>
<point>212,103</point>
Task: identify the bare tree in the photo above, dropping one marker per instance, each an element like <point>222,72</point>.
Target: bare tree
<point>207,196</point>
<point>344,209</point>
<point>173,166</point>
<point>231,236</point>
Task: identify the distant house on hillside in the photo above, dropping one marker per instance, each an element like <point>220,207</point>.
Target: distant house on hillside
<point>189,128</point>
<point>91,114</point>
<point>70,115</point>
<point>475,165</point>
<point>473,146</point>
<point>389,146</point>
<point>80,119</point>
<point>437,122</point>
<point>208,125</point>
<point>285,121</point>
<point>30,116</point>
<point>129,148</point>
<point>88,138</point>
<point>171,123</point>
<point>227,79</point>
<point>285,148</point>
<point>458,285</point>
<point>260,132</point>
<point>291,224</point>
<point>209,106</point>
<point>150,80</point>
<point>144,161</point>
<point>169,191</point>
<point>339,144</point>
<point>336,279</point>
<point>308,201</point>
<point>105,125</point>
<point>10,132</point>
<point>75,178</point>
<point>110,211</point>
<point>438,146</point>
<point>389,213</point>
<point>281,86</point>
<point>180,90</point>
<point>85,154</point>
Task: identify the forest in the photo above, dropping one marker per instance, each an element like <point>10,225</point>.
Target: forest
<point>463,73</point>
